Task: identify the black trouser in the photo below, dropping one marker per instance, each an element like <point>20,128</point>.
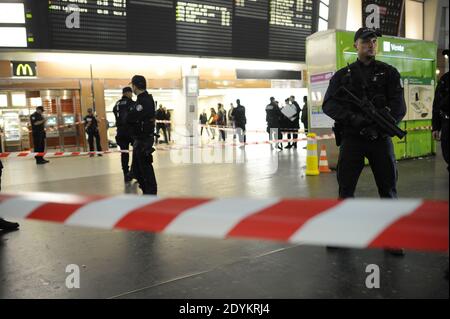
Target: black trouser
<point>444,139</point>
<point>39,145</point>
<point>294,134</point>
<point>380,153</point>
<point>161,127</point>
<point>223,135</point>
<point>91,136</point>
<point>305,124</point>
<point>124,142</point>
<point>142,165</point>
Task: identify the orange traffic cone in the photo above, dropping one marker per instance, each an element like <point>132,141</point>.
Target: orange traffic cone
<point>323,164</point>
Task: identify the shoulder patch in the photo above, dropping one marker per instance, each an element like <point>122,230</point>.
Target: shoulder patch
<point>139,108</point>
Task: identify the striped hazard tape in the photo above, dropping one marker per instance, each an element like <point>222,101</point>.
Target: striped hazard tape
<point>362,223</point>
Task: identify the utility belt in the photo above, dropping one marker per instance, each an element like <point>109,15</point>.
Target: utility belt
<point>444,115</point>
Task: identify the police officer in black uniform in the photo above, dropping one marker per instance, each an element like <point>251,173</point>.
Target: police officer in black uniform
<point>91,127</point>
<point>5,225</point>
<point>361,139</point>
<point>441,113</point>
<point>38,130</point>
<point>141,118</point>
<point>123,136</point>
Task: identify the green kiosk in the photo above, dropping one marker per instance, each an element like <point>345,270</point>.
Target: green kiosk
<point>329,51</point>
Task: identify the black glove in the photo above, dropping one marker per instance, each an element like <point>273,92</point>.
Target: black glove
<point>359,121</point>
<point>370,133</point>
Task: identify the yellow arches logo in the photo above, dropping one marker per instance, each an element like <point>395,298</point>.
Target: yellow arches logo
<point>23,69</point>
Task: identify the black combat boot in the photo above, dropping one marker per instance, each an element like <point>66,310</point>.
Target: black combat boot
<point>5,225</point>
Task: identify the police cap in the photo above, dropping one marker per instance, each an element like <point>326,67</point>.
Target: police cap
<point>364,33</point>
<point>127,89</point>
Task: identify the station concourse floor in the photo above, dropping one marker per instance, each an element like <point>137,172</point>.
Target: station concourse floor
<point>119,264</point>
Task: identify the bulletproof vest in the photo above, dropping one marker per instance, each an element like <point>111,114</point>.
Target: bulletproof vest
<point>273,114</point>
<point>371,81</point>
<point>122,112</point>
<point>37,128</point>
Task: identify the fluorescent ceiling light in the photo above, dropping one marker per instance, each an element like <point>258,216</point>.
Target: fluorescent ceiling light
<point>13,37</point>
<point>12,13</point>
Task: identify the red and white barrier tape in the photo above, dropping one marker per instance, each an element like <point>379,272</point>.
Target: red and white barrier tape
<point>361,223</point>
<point>158,147</point>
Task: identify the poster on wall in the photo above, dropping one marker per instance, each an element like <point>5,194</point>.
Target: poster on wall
<point>318,87</point>
<point>419,95</point>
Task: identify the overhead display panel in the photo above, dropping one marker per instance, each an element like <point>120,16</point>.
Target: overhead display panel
<point>204,27</point>
<point>88,24</point>
<point>258,29</point>
<point>251,28</point>
<point>291,22</point>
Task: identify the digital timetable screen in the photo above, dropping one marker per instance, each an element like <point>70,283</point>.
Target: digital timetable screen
<point>261,29</point>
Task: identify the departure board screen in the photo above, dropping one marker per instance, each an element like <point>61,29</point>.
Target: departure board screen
<point>97,24</point>
<point>261,29</point>
<point>291,21</point>
<point>204,27</point>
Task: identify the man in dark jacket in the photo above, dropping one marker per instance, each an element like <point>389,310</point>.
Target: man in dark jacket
<point>5,225</point>
<point>304,118</point>
<point>91,127</point>
<point>273,117</point>
<point>161,116</point>
<point>123,137</point>
<point>141,119</point>
<point>240,120</point>
<point>441,113</point>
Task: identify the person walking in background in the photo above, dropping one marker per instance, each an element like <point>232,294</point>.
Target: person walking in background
<point>222,121</point>
<point>203,122</point>
<point>212,121</point>
<point>240,120</point>
<point>231,122</point>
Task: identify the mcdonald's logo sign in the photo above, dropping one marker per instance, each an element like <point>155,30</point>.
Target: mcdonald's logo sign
<point>24,69</point>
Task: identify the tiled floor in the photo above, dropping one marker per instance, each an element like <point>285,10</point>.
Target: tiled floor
<point>143,265</point>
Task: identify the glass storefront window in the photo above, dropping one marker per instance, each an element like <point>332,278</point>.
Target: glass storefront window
<point>19,99</point>
<point>3,100</point>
